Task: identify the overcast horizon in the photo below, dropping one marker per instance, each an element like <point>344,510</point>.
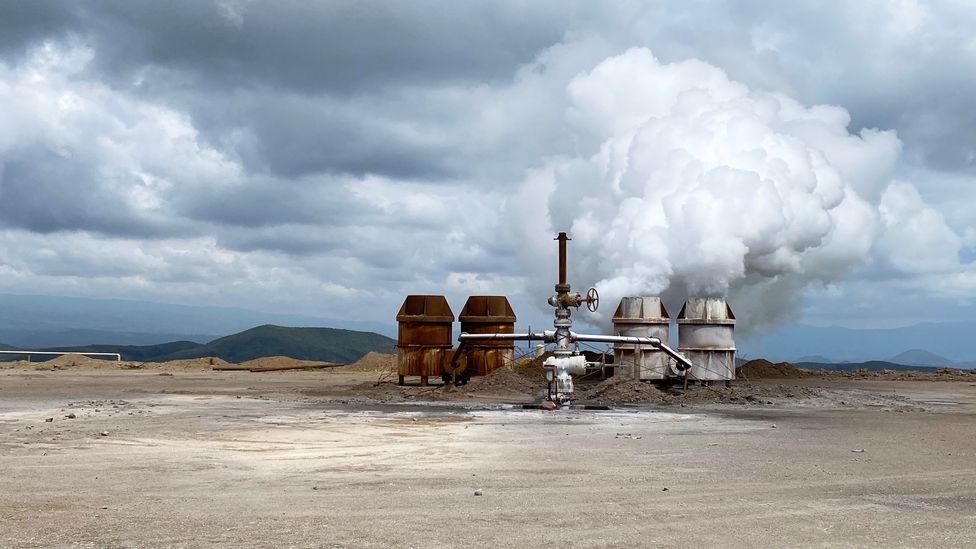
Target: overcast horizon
<point>814,161</point>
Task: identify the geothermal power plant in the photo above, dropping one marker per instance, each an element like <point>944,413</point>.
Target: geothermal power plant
<point>705,350</point>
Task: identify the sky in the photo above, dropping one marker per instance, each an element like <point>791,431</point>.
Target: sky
<point>814,161</point>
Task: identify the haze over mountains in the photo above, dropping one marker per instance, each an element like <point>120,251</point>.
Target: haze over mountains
<point>34,322</point>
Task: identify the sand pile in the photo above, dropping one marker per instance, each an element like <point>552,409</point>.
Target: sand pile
<point>617,390</point>
<point>764,369</point>
<point>374,362</point>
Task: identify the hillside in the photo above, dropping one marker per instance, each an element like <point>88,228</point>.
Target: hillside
<point>871,365</point>
<point>322,344</point>
<point>326,344</point>
<point>920,357</point>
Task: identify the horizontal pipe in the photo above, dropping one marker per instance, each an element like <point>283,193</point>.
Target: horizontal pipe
<point>118,357</point>
<point>528,336</point>
<point>549,336</point>
<point>683,363</point>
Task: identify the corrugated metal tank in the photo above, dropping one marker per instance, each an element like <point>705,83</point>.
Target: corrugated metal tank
<point>706,328</point>
<point>640,317</point>
<point>488,314</point>
<point>424,336</point>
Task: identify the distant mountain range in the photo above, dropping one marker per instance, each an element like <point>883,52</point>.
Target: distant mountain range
<point>33,321</point>
<point>325,344</point>
<point>952,341</point>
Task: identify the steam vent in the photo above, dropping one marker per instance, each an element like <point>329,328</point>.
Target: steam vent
<point>488,314</point>
<point>423,336</point>
<point>640,317</point>
<point>705,336</point>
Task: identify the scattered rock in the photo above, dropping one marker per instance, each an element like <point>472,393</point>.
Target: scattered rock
<point>477,492</point>
<point>104,433</point>
<point>49,420</point>
<point>71,415</point>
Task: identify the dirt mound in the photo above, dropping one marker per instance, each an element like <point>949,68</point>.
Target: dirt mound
<point>374,362</point>
<point>531,366</point>
<point>505,380</point>
<point>281,362</point>
<point>764,369</point>
<point>189,364</point>
<point>617,390</point>
<point>76,361</point>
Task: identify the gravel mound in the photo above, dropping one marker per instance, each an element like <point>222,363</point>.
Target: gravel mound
<point>764,369</point>
<point>505,380</point>
<point>617,390</point>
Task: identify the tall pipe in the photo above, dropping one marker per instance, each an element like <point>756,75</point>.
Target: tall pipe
<point>562,238</point>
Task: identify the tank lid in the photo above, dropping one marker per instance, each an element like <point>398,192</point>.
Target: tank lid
<point>487,308</point>
<point>641,310</point>
<point>425,308</point>
<point>706,310</point>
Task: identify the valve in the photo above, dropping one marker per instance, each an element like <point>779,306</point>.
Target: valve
<point>592,300</point>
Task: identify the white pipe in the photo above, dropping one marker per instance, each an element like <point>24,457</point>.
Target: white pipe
<point>683,363</point>
<point>118,357</point>
<point>549,336</point>
<point>528,336</point>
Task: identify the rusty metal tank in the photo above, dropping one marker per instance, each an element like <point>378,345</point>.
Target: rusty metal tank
<point>487,314</point>
<point>706,328</point>
<point>641,317</point>
<point>424,336</point>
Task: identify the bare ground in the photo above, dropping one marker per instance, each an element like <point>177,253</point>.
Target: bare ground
<point>342,458</point>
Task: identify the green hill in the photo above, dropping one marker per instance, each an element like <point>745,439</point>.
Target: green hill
<point>325,344</point>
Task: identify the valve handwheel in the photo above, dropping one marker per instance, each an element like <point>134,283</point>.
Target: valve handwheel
<point>592,299</point>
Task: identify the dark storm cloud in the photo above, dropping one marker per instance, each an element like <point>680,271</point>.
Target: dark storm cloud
<point>23,24</point>
<point>265,202</point>
<point>45,192</point>
<point>335,46</point>
<point>300,136</point>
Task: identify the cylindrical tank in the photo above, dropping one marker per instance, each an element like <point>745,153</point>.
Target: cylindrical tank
<point>488,314</point>
<point>424,336</point>
<point>640,317</point>
<point>705,336</point>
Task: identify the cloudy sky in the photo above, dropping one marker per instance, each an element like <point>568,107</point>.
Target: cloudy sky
<point>813,160</point>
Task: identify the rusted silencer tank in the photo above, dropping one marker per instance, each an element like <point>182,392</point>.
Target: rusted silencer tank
<point>640,317</point>
<point>488,314</point>
<point>705,336</point>
<point>424,336</point>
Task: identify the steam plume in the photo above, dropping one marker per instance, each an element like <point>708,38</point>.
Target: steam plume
<point>688,183</point>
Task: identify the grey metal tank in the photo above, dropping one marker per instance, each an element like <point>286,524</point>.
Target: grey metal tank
<point>706,336</point>
<point>641,317</point>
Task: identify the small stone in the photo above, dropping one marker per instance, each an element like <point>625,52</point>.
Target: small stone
<point>477,492</point>
<point>71,415</point>
<point>49,420</point>
<point>664,489</point>
<point>773,426</point>
<point>104,433</point>
<point>103,507</point>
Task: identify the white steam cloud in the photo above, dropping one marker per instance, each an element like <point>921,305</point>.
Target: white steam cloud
<point>688,183</point>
